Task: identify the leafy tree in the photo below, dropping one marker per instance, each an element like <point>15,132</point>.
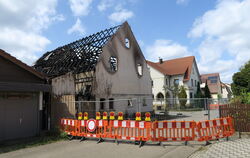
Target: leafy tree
<point>241,80</point>
<point>207,93</point>
<point>182,95</point>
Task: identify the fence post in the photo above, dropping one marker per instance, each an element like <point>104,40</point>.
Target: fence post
<point>208,109</point>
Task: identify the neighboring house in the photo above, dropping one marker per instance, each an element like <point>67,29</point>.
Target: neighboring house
<point>226,90</point>
<point>101,68</point>
<point>214,84</point>
<point>23,108</point>
<point>171,73</point>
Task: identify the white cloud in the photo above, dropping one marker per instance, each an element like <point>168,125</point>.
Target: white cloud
<point>181,2</point>
<point>77,28</point>
<point>120,15</point>
<point>80,7</point>
<point>105,4</point>
<point>22,24</point>
<point>166,49</point>
<point>225,34</point>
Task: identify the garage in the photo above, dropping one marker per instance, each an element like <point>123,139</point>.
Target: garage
<point>23,103</point>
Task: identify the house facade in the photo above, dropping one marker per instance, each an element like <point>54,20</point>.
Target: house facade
<point>168,74</point>
<point>226,91</point>
<point>24,111</point>
<point>105,71</point>
<point>214,84</point>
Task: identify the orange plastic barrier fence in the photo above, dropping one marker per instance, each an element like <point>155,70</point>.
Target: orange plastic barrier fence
<point>146,130</point>
<point>129,130</point>
<point>173,131</point>
<point>92,128</point>
<point>69,126</point>
<point>215,129</point>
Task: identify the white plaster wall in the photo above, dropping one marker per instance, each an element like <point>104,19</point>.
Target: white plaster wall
<point>224,93</point>
<point>125,83</point>
<point>158,81</point>
<point>196,77</point>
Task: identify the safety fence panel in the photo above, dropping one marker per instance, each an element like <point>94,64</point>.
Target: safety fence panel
<point>92,128</point>
<point>69,126</point>
<point>129,130</point>
<point>173,131</point>
<point>215,129</point>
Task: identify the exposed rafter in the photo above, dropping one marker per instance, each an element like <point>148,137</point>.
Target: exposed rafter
<point>79,56</point>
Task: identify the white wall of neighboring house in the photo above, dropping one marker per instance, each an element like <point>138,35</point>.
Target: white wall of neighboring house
<point>224,92</point>
<point>195,77</point>
<point>158,80</point>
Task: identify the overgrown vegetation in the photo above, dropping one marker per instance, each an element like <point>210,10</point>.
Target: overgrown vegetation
<point>183,96</point>
<point>47,138</point>
<point>207,93</point>
<point>241,85</point>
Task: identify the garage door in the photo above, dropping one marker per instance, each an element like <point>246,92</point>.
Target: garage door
<point>18,115</point>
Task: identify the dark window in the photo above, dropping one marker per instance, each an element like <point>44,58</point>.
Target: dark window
<point>152,83</point>
<point>160,96</point>
<point>213,79</point>
<point>111,103</point>
<point>191,95</point>
<point>158,107</point>
<point>192,82</point>
<point>176,82</point>
<point>166,81</point>
<point>102,103</point>
<point>113,64</point>
<point>144,102</point>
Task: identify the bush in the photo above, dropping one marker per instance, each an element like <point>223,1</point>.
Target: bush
<point>182,96</point>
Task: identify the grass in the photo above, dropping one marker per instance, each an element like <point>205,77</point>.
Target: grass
<point>47,138</point>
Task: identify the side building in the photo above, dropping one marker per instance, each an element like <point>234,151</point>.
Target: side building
<point>105,71</point>
<point>168,74</point>
<point>24,101</point>
<point>214,84</point>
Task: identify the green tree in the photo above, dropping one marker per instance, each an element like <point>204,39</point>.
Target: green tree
<point>198,92</point>
<point>207,93</point>
<point>182,95</point>
<point>241,80</point>
<point>199,102</point>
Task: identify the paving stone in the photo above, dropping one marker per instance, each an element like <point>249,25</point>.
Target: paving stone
<point>239,148</point>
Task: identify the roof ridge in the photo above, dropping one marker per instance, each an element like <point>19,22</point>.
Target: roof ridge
<point>21,64</point>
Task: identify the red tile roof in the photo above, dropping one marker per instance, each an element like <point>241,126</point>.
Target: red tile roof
<point>213,87</point>
<point>20,64</point>
<point>175,66</point>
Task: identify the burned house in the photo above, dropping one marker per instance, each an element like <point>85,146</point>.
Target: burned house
<point>105,71</point>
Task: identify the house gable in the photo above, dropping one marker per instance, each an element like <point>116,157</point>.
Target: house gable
<point>127,80</point>
<point>13,70</point>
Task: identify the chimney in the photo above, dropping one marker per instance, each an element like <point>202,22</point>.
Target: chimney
<point>160,60</point>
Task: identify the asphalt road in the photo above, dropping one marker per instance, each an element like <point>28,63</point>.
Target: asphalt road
<point>90,149</point>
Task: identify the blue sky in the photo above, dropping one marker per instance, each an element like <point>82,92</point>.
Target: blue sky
<point>216,32</point>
